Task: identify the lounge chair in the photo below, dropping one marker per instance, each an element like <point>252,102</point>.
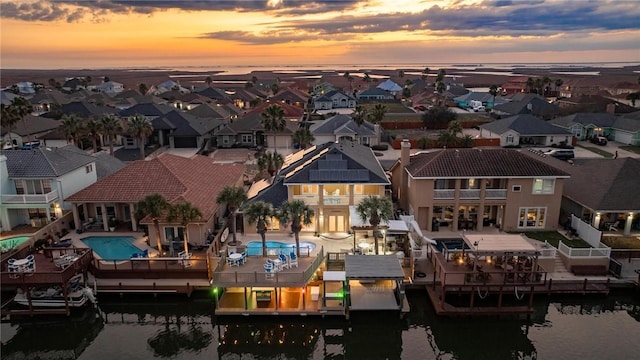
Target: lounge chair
<point>293,260</point>
<point>285,261</point>
<point>614,226</point>
<point>269,270</point>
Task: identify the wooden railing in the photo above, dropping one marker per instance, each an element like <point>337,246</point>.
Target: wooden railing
<point>85,256</point>
<point>151,268</point>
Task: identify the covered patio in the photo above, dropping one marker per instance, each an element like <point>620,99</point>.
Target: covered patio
<point>374,282</point>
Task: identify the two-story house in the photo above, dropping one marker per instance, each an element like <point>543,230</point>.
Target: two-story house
<point>35,182</point>
<point>331,178</point>
<point>340,127</point>
<point>472,188</point>
<point>334,99</point>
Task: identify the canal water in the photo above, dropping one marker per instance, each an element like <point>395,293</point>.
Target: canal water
<point>576,327</point>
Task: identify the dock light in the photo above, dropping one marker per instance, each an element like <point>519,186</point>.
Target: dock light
<point>214,291</point>
<point>488,260</point>
<point>460,261</point>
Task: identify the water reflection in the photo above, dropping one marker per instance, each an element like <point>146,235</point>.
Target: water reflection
<point>179,328</point>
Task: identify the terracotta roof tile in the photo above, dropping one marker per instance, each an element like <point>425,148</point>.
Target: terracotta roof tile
<point>196,180</point>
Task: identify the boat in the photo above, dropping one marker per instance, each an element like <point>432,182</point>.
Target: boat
<point>52,297</point>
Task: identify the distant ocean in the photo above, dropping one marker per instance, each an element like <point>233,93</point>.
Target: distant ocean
<point>410,67</point>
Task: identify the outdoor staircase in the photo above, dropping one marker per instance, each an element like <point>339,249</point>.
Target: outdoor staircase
<point>559,267</point>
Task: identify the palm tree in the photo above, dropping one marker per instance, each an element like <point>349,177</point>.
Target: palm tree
<point>140,127</point>
<point>234,197</point>
<point>208,80</point>
<point>633,97</point>
<point>558,83</point>
<point>367,78</point>
<point>298,213</point>
<point>185,213</point>
<point>467,141</point>
<point>22,107</point>
<point>446,137</point>
<point>154,206</point>
<point>375,209</point>
<point>71,128</point>
<point>348,76</point>
<point>271,162</point>
<point>143,88</point>
<point>493,90</point>
<point>273,121</point>
<point>260,212</point>
<point>546,81</point>
<point>94,129</point>
<point>9,118</point>
<point>378,113</point>
<point>425,73</point>
<point>530,83</point>
<point>110,129</point>
<point>360,115</point>
<point>454,128</point>
<point>303,137</point>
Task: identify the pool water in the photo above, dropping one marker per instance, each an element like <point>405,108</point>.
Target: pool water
<point>12,242</point>
<point>254,248</point>
<point>112,247</point>
<point>450,244</point>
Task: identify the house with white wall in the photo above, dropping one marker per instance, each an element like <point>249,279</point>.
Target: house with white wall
<point>35,182</point>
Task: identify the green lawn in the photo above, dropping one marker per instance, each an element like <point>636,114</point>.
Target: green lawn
<point>597,151</point>
<point>633,149</point>
<point>554,237</point>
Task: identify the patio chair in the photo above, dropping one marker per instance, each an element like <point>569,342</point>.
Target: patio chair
<point>614,226</point>
<point>285,261</point>
<point>293,260</point>
<point>268,270</point>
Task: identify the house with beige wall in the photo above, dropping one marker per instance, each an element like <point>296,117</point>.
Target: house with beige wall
<point>468,189</point>
<point>331,178</point>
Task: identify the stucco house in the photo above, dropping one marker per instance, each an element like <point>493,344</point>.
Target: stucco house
<point>334,99</point>
<point>340,127</point>
<point>624,129</point>
<point>35,182</point>
<point>196,180</point>
<point>474,188</point>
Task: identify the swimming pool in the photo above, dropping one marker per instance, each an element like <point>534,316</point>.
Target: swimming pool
<point>254,248</point>
<point>12,242</point>
<point>112,247</point>
<point>450,244</point>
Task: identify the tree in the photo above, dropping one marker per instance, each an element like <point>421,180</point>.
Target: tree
<point>273,121</point>
<point>106,78</point>
<point>140,128</point>
<point>375,209</point>
<point>154,206</point>
<point>303,137</point>
<point>367,78</point>
<point>423,142</point>
<point>493,90</point>
<point>71,128</point>
<point>437,117</point>
<point>271,162</point>
<point>94,129</point>
<point>208,80</point>
<point>275,88</point>
<point>425,73</point>
<point>254,80</point>
<point>184,213</point>
<point>233,197</point>
<point>467,141</point>
<point>21,108</point>
<point>401,74</point>
<point>360,115</point>
<point>446,138</point>
<point>298,214</point>
<point>9,119</point>
<point>110,129</point>
<point>530,83</point>
<point>259,213</point>
<point>406,92</point>
<point>52,82</point>
<point>546,81</point>
<point>378,113</point>
<point>143,88</point>
<point>454,127</point>
<point>558,83</point>
<point>349,78</point>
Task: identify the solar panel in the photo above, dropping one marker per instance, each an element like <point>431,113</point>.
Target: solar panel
<point>327,175</point>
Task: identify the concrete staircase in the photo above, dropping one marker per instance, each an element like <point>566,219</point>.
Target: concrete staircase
<point>560,270</point>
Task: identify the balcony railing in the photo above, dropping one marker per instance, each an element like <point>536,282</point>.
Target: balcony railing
<point>469,193</point>
<point>496,193</point>
<point>444,194</point>
<point>30,198</point>
<point>336,200</point>
<point>308,199</point>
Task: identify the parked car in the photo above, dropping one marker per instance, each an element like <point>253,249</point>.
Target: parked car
<point>562,154</point>
<point>420,107</point>
<point>599,140</point>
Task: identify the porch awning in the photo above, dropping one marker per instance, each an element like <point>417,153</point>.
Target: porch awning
<point>374,267</point>
<point>500,244</point>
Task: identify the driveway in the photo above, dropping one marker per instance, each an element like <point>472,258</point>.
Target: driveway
<point>611,147</point>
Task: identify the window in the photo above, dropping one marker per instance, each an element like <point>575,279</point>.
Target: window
<point>246,138</point>
<point>88,168</point>
<point>532,218</point>
<point>543,186</point>
<point>510,139</point>
<point>516,188</point>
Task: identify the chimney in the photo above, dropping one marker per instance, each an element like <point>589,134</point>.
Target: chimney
<point>404,178</point>
<point>611,108</point>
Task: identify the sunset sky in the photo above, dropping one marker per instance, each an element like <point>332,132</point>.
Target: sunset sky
<point>125,33</point>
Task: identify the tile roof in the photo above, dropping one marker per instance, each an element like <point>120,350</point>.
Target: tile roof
<point>32,125</point>
<point>463,163</point>
<point>45,162</point>
<point>196,180</point>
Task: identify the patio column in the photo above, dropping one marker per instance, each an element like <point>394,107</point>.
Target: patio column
<point>76,216</point>
<point>627,224</point>
<point>456,205</point>
<point>596,221</point>
<point>134,223</point>
<point>105,222</point>
<point>48,210</point>
<point>480,212</point>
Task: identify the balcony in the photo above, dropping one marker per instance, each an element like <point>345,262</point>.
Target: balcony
<point>308,199</point>
<point>30,198</point>
<point>444,194</point>
<point>469,193</point>
<point>496,193</point>
<point>336,200</point>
